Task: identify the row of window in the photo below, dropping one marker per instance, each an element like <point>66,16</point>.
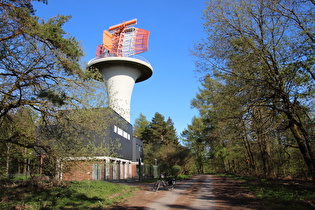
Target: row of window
<point>121,132</point>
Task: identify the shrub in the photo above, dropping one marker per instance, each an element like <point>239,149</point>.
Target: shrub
<point>175,171</point>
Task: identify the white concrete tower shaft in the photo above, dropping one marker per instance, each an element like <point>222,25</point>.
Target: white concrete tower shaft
<point>120,75</point>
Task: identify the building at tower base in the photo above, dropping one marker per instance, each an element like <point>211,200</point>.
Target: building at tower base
<point>123,165</point>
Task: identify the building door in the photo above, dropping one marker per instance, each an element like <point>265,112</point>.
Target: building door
<point>97,171</point>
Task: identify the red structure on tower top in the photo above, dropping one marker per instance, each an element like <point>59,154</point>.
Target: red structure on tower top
<point>123,40</point>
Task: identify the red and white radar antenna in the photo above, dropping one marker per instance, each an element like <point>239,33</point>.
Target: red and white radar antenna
<point>123,40</point>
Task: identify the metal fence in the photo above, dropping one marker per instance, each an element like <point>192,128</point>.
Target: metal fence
<point>146,172</point>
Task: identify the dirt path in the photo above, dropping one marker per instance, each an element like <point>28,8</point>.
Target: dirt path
<point>201,192</point>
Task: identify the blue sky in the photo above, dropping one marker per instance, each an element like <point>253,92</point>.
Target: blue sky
<point>174,25</point>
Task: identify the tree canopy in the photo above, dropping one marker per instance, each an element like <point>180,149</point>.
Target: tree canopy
<point>159,131</point>
<point>161,144</point>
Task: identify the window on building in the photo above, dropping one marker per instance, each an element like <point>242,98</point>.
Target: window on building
<point>121,132</point>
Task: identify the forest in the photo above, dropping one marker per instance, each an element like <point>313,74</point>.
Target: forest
<point>256,99</point>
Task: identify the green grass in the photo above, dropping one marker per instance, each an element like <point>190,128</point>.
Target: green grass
<point>183,177</point>
<point>21,178</point>
<point>281,194</point>
<point>75,195</point>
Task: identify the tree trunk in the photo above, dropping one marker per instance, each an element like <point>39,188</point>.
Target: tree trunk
<point>302,146</point>
<point>25,163</point>
<point>7,165</point>
<point>263,153</point>
<point>251,162</point>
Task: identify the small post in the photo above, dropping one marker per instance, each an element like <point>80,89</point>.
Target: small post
<point>140,171</point>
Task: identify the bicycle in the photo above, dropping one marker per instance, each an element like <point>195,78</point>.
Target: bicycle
<point>162,184</point>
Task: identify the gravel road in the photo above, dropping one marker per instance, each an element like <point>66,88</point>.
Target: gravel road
<point>202,192</point>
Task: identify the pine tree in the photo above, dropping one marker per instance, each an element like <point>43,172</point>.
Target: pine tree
<point>161,144</point>
<point>141,123</point>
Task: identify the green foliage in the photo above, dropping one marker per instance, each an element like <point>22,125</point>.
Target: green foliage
<point>168,156</point>
<point>41,76</point>
<point>197,138</point>
<point>183,177</point>
<point>47,59</point>
<point>18,129</point>
<point>159,131</point>
<point>176,170</point>
<point>78,133</point>
<point>161,144</point>
<point>87,129</point>
<point>75,195</point>
<point>257,87</point>
<point>55,98</point>
<point>140,125</point>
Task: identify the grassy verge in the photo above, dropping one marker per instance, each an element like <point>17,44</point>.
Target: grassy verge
<point>183,177</point>
<point>281,194</point>
<point>73,195</point>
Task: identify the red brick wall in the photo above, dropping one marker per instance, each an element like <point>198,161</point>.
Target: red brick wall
<point>134,170</point>
<point>78,170</point>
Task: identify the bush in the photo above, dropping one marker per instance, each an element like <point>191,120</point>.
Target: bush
<point>175,171</point>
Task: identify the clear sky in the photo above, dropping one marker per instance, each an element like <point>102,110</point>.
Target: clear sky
<point>174,25</point>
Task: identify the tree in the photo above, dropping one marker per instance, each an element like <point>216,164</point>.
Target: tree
<point>37,62</point>
<point>161,143</point>
<point>158,128</point>
<point>160,131</point>
<point>262,55</point>
<point>40,71</point>
<point>171,131</point>
<point>195,139</point>
<point>141,123</point>
<point>14,156</point>
<point>79,133</point>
